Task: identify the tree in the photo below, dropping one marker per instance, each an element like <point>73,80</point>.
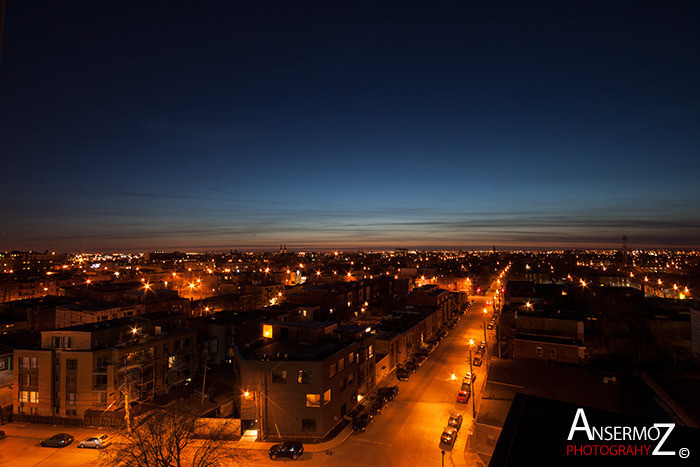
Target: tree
<point>167,438</point>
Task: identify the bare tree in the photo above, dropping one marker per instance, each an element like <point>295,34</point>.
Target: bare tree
<point>167,438</point>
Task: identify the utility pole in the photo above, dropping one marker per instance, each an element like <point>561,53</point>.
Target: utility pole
<point>204,382</point>
<point>127,414</point>
<point>471,372</point>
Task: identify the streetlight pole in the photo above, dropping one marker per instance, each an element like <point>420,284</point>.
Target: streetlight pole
<point>483,322</point>
<point>471,383</point>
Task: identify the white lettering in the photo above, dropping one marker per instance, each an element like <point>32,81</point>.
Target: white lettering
<point>657,450</point>
<point>582,415</point>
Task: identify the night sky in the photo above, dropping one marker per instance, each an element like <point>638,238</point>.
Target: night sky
<point>139,125</point>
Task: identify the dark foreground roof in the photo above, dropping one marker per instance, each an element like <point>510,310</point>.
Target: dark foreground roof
<point>536,431</point>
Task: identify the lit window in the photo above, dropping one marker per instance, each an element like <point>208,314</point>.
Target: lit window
<point>326,397</point>
<point>333,369</point>
<point>313,400</point>
<point>351,357</point>
<point>304,377</point>
<point>33,397</point>
<point>267,330</point>
<point>24,396</point>
<point>341,364</point>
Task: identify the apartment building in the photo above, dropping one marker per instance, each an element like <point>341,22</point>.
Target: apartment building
<point>98,366</point>
<point>298,381</point>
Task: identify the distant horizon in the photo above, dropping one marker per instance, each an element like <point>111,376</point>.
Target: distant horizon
<point>294,249</point>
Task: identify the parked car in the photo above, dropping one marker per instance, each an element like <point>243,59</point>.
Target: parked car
<point>412,366</point>
<point>442,333</point>
<point>449,434</point>
<point>378,405</point>
<point>293,449</point>
<point>455,420</point>
<point>432,346</point>
<point>482,347</point>
<point>452,325</point>
<point>463,396</point>
<point>466,386</point>
<point>489,326</point>
<point>469,377</point>
<point>360,422</point>
<point>402,374</point>
<point>59,440</point>
<point>477,360</point>
<point>97,442</point>
<point>389,392</point>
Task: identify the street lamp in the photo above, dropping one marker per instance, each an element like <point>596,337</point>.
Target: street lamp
<point>471,383</point>
<point>483,322</point>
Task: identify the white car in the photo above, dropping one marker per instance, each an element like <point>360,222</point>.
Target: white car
<point>97,442</point>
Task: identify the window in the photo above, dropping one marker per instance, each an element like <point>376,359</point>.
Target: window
<point>20,409</point>
<point>308,424</point>
<point>370,351</point>
<point>267,330</point>
<point>70,412</point>
<point>24,363</point>
<point>279,376</point>
<point>171,361</point>
<point>101,398</point>
<point>34,410</point>
<point>326,397</point>
<point>313,400</point>
<point>538,351</point>
<point>71,381</point>
<point>341,364</point>
<point>70,398</point>
<point>304,377</point>
<point>334,369</point>
<point>99,381</point>
<point>553,353</point>
<point>71,364</point>
<point>351,377</point>
<point>24,396</point>
<point>351,357</point>
<point>33,397</point>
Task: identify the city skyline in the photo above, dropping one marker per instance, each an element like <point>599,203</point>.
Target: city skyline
<point>223,126</point>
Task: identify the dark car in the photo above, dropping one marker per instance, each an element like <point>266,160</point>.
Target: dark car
<point>442,333</point>
<point>477,360</point>
<point>455,420</point>
<point>378,405</point>
<point>59,440</point>
<point>292,449</point>
<point>466,386</point>
<point>489,326</point>
<point>411,367</point>
<point>389,392</point>
<point>449,435</point>
<point>402,374</point>
<point>360,422</point>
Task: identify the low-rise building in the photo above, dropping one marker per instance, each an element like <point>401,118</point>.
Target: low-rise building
<point>102,365</point>
<point>298,381</point>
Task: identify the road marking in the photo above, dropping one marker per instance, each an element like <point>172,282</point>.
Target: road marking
<point>368,441</point>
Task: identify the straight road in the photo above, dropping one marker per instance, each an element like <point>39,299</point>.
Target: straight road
<point>408,431</point>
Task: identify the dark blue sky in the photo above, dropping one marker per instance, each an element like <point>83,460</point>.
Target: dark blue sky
<point>138,125</point>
